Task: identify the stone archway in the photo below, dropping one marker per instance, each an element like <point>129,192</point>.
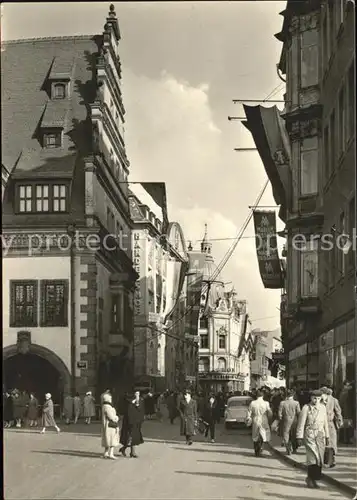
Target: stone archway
<point>64,377</point>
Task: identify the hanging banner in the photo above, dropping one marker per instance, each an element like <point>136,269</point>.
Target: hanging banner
<point>196,262</point>
<point>267,250</point>
<point>176,273</point>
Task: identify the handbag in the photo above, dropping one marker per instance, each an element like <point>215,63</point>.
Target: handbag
<point>328,456</point>
<point>113,425</point>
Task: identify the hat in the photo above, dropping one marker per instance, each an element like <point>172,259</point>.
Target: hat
<point>324,390</point>
<point>316,393</point>
<point>107,398</point>
<point>89,393</point>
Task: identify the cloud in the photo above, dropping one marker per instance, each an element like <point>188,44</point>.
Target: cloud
<point>171,136</point>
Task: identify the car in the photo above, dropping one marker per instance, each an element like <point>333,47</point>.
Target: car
<point>236,410</point>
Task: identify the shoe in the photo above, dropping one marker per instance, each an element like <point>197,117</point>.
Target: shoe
<point>189,443</point>
<point>122,451</point>
<point>58,430</point>
<point>133,455</point>
<point>309,483</point>
<point>106,455</point>
<point>42,432</point>
<point>112,457</point>
<point>213,441</point>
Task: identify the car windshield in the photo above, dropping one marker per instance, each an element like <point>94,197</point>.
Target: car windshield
<point>238,402</point>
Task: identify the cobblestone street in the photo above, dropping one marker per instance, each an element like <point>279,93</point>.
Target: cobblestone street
<point>69,466</point>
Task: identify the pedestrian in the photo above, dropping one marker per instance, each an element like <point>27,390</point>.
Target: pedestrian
<point>210,415</point>
<point>68,408</point>
<point>288,413</point>
<point>8,410</point>
<point>188,415</point>
<point>334,419</point>
<point>48,419</point>
<point>172,407</point>
<point>149,405</point>
<point>131,433</point>
<point>161,412</point>
<point>77,407</point>
<point>259,414</point>
<point>346,432</point>
<point>313,431</point>
<point>17,407</point>
<point>88,407</point>
<point>110,427</point>
<point>33,410</point>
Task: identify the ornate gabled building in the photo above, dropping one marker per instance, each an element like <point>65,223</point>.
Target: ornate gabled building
<point>162,357</point>
<point>224,363</point>
<point>68,277</point>
<point>318,203</point>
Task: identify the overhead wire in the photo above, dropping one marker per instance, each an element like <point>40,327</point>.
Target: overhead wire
<point>217,272</point>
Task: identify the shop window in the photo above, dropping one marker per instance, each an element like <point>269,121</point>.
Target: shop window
<point>23,302</point>
<point>309,269</point>
<point>54,303</point>
<point>309,166</point>
<point>309,58</point>
<point>204,341</point>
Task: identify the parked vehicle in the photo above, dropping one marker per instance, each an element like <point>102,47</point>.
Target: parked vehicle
<point>236,410</point>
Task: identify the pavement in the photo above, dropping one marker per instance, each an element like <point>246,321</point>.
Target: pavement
<point>343,476</point>
<point>69,465</point>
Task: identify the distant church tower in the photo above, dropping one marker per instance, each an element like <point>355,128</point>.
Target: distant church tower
<point>206,246</point>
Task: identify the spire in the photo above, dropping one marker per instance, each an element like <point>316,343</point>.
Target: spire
<point>206,247</point>
<point>112,21</point>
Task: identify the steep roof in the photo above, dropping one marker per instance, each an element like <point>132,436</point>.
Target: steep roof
<point>27,67</point>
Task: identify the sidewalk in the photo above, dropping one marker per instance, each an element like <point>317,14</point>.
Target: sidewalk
<point>343,476</point>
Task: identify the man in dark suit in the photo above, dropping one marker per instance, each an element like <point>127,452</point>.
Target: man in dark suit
<point>131,434</point>
<point>210,415</point>
<point>187,408</point>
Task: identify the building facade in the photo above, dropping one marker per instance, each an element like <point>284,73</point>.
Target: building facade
<point>224,361</point>
<point>318,202</point>
<point>159,256</point>
<point>68,277</point>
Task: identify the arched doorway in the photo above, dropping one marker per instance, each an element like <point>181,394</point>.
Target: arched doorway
<point>38,371</point>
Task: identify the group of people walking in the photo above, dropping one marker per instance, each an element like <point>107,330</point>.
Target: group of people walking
<point>74,408</point>
<point>315,426</point>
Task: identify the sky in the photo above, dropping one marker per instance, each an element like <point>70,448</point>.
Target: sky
<point>182,65</point>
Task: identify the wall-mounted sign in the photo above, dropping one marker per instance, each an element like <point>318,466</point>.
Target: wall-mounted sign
<point>137,261</point>
<point>82,365</point>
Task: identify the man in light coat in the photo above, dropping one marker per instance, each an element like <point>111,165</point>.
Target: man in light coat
<point>334,418</point>
<point>288,414</point>
<point>258,416</point>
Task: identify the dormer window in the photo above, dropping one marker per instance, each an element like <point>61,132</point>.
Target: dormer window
<point>52,138</point>
<point>42,197</point>
<point>59,91</point>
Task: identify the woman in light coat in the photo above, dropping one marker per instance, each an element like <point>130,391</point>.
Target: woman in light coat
<point>33,411</point>
<point>313,431</point>
<point>48,419</point>
<point>110,427</point>
<point>77,406</point>
<point>258,416</point>
<point>88,407</point>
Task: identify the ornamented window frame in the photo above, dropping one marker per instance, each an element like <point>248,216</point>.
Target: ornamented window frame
<point>45,321</point>
<point>14,321</point>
